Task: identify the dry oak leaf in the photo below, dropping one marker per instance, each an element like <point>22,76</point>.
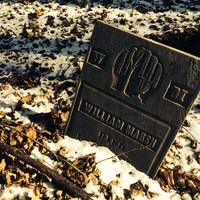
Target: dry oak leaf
<point>35,197</point>
<point>63,152</point>
<point>3,136</point>
<point>24,177</point>
<point>16,136</point>
<point>137,189</point>
<point>152,194</point>
<point>27,99</point>
<point>57,137</point>
<point>19,128</point>
<point>93,178</point>
<point>2,165</point>
<point>114,182</point>
<point>64,116</point>
<point>2,113</point>
<point>4,86</point>
<point>13,142</point>
<point>38,192</point>
<point>39,12</point>
<point>7,177</point>
<point>19,138</point>
<point>31,133</point>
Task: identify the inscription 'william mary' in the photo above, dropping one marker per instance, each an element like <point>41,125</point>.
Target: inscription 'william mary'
<point>120,125</point>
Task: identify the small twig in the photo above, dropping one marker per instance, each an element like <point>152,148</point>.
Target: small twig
<point>135,3</point>
<point>58,157</point>
<point>122,154</point>
<point>191,134</point>
<point>60,180</point>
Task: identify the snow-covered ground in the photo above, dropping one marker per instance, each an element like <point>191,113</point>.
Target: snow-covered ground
<point>42,49</point>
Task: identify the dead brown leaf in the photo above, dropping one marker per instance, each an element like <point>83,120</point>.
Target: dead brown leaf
<point>114,182</point>
<point>2,165</point>
<point>63,152</point>
<point>93,178</point>
<point>4,86</point>
<point>137,189</point>
<point>31,133</point>
<point>2,113</point>
<point>23,177</point>
<point>7,177</point>
<point>64,116</point>
<point>27,99</point>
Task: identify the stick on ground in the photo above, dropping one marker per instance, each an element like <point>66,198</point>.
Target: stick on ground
<point>58,179</point>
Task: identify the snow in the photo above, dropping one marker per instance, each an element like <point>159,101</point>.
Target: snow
<point>22,53</point>
<point>110,170</point>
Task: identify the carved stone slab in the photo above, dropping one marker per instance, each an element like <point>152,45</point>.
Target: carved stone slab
<point>133,96</point>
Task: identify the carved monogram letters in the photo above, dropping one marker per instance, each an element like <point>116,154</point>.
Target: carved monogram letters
<point>177,94</point>
<point>136,72</point>
<point>96,58</point>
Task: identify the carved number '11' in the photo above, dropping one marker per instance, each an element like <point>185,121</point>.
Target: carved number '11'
<point>177,94</point>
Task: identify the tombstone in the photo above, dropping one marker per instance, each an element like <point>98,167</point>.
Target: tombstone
<point>133,96</point>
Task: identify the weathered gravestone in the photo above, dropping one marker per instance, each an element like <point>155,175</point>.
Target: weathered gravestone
<point>133,95</point>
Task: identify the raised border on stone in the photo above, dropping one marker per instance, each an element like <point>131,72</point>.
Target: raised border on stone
<point>133,96</point>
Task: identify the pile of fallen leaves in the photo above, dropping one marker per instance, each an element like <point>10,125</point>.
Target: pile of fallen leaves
<point>82,170</point>
<point>16,173</point>
<point>178,179</point>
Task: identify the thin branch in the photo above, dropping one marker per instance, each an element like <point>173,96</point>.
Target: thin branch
<point>191,134</point>
<point>135,3</point>
<point>58,157</point>
<point>122,154</point>
<point>58,179</point>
